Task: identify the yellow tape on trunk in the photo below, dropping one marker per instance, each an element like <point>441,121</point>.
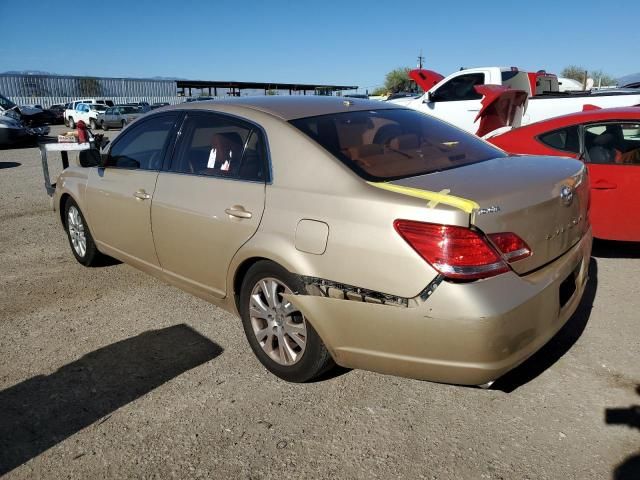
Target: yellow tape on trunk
<point>434,198</point>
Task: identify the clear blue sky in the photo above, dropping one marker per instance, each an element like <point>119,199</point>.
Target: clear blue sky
<point>338,42</point>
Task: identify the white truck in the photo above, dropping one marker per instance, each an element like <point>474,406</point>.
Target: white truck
<point>455,99</point>
<point>85,111</point>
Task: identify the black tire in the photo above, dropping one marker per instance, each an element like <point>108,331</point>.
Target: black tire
<point>72,123</point>
<point>66,122</point>
<point>91,256</point>
<point>92,124</point>
<point>105,127</point>
<point>315,359</point>
<point>124,124</point>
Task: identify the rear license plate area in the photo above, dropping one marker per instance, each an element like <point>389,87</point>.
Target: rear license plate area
<point>568,287</point>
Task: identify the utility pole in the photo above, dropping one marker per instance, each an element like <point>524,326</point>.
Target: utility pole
<point>420,59</point>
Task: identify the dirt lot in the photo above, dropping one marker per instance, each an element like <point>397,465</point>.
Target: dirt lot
<point>107,372</point>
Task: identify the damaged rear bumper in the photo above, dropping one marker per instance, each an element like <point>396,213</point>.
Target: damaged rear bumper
<point>463,333</point>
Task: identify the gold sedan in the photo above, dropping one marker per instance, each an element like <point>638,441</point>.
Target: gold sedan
<point>342,231</point>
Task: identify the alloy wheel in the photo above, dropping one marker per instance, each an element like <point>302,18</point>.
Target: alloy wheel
<point>76,231</point>
<point>278,325</point>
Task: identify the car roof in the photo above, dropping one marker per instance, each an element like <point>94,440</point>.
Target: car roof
<point>291,107</point>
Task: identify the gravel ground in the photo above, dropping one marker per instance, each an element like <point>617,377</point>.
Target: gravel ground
<point>109,373</point>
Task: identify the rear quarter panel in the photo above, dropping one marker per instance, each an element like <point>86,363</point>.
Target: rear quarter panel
<point>363,249</point>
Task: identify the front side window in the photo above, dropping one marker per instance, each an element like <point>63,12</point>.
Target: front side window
<point>381,145</point>
<point>565,139</point>
<point>460,88</point>
<point>614,143</point>
<point>143,146</point>
<point>216,145</point>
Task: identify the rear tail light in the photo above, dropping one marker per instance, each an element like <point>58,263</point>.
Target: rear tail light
<point>461,253</point>
<point>455,252</point>
<point>512,247</point>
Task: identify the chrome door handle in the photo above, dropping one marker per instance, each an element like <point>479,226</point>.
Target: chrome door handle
<point>142,195</point>
<point>238,212</point>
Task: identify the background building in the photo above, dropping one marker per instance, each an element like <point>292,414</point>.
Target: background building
<point>47,89</point>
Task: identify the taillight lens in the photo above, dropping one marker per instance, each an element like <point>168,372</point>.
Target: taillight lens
<point>512,247</point>
<point>455,252</point>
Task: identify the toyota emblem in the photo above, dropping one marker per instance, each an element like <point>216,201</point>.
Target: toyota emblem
<point>566,195</point>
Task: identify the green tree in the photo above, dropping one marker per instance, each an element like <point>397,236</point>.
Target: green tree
<point>577,73</point>
<point>573,72</point>
<point>602,78</point>
<point>379,91</point>
<point>398,81</point>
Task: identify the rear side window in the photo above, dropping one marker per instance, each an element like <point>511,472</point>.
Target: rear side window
<point>216,145</point>
<point>614,143</point>
<point>384,145</point>
<point>143,146</point>
<point>565,139</point>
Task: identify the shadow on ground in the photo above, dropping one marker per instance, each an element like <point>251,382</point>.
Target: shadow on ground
<point>611,249</point>
<point>629,469</point>
<point>560,344</point>
<point>9,165</point>
<point>44,410</point>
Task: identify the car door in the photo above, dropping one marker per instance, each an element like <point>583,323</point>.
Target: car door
<point>612,153</point>
<point>107,116</point>
<point>210,200</point>
<point>456,101</point>
<point>119,195</point>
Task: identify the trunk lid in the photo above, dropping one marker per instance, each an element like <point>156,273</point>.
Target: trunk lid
<point>543,200</point>
<point>501,107</point>
<point>425,79</point>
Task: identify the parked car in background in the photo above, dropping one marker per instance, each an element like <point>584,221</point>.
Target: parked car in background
<point>158,105</point>
<point>72,112</point>
<point>13,132</point>
<point>58,112</point>
<point>608,141</point>
<point>198,99</point>
<point>28,115</point>
<point>35,115</point>
<point>119,116</point>
<point>86,112</point>
<point>410,248</point>
<point>456,100</point>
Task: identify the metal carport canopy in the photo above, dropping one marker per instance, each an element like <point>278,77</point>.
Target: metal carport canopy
<point>201,84</point>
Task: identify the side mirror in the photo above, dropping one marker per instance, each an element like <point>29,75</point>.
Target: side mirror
<point>90,158</point>
<point>431,97</point>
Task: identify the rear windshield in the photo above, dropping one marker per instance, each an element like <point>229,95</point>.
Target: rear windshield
<point>382,145</point>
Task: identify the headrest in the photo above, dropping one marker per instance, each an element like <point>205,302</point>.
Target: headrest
<point>405,142</point>
<point>604,140</point>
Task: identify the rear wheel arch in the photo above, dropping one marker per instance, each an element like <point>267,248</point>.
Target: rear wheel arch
<point>61,208</point>
<point>240,274</point>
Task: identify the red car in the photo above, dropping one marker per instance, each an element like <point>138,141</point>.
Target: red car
<point>608,141</point>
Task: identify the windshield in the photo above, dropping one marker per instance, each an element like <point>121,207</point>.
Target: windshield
<point>6,103</point>
<point>128,110</point>
<point>382,145</point>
